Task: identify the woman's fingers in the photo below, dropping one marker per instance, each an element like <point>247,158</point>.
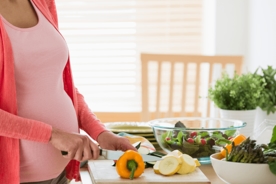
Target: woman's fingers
<point>109,140</point>
<point>125,144</point>
<point>87,152</point>
<point>78,147</point>
<point>90,150</point>
<point>95,151</point>
<point>79,155</point>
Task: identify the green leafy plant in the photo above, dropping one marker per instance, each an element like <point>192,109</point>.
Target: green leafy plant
<point>242,92</point>
<point>269,92</point>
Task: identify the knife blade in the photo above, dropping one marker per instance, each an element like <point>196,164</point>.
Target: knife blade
<point>115,155</point>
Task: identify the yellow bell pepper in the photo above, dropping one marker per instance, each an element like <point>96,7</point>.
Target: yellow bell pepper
<point>130,165</point>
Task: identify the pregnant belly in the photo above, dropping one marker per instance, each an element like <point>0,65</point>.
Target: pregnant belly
<point>40,161</point>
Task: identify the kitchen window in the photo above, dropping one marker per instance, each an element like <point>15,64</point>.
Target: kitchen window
<point>106,37</point>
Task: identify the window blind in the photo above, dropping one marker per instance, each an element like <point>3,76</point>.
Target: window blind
<point>106,37</point>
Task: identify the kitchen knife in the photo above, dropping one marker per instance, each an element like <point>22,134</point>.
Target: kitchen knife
<point>115,155</point>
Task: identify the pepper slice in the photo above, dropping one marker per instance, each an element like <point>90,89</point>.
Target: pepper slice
<point>130,165</point>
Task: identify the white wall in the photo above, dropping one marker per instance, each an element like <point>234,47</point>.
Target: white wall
<point>248,28</point>
<point>232,28</point>
<point>262,35</point>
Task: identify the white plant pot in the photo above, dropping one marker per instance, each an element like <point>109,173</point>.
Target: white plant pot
<point>262,115</point>
<point>247,116</point>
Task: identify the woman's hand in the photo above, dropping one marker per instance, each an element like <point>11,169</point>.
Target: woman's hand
<point>79,147</point>
<point>109,140</point>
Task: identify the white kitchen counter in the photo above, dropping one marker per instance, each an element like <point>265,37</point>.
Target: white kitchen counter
<point>206,169</point>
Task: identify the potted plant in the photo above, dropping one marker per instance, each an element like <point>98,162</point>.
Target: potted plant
<point>269,93</point>
<point>238,97</point>
<point>267,107</point>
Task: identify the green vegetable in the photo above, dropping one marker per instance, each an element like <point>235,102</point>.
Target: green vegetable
<point>197,139</point>
<point>190,149</point>
<point>204,134</point>
<point>222,142</point>
<point>179,137</point>
<point>272,167</point>
<point>273,137</point>
<point>180,124</point>
<point>217,136</point>
<point>230,133</point>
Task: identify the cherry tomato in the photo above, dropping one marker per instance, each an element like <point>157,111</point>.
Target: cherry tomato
<point>203,141</point>
<point>190,140</point>
<point>193,134</point>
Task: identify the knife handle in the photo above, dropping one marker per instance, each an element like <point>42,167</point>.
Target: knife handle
<point>66,153</point>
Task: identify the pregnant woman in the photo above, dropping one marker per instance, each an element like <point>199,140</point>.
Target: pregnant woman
<point>41,111</point>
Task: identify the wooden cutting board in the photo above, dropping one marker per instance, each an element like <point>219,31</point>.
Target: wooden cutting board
<point>102,172</point>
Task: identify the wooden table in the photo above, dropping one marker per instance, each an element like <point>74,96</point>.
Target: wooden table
<point>210,174</point>
<point>206,169</point>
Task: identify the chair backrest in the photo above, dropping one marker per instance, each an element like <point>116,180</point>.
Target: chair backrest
<point>181,80</point>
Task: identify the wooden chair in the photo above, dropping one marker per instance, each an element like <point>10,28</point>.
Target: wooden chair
<point>183,80</point>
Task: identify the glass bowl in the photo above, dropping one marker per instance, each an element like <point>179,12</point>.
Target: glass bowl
<point>196,136</point>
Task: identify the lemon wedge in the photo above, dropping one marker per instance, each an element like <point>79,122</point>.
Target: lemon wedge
<point>188,164</point>
<point>169,165</point>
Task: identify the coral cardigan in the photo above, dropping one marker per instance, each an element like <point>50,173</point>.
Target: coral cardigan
<point>13,128</point>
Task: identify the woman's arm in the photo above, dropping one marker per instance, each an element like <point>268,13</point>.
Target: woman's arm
<point>22,128</point>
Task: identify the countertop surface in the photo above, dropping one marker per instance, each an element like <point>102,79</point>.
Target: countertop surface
<point>210,174</point>
<point>206,170</point>
<point>103,172</point>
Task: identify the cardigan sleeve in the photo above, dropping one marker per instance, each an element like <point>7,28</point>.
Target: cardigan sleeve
<point>22,128</point>
<point>52,8</point>
<point>88,121</point>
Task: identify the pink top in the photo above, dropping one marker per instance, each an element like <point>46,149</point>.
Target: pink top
<point>40,55</point>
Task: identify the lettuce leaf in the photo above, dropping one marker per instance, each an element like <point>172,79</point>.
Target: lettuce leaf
<point>273,137</point>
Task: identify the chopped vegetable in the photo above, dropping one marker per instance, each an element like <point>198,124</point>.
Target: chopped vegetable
<point>175,162</point>
<point>188,164</point>
<point>237,140</point>
<point>197,162</point>
<point>156,167</point>
<point>169,165</point>
<point>143,150</point>
<point>130,165</point>
<point>176,153</point>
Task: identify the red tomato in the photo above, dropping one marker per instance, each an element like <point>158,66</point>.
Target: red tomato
<point>193,134</point>
<point>203,141</point>
<point>190,140</point>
